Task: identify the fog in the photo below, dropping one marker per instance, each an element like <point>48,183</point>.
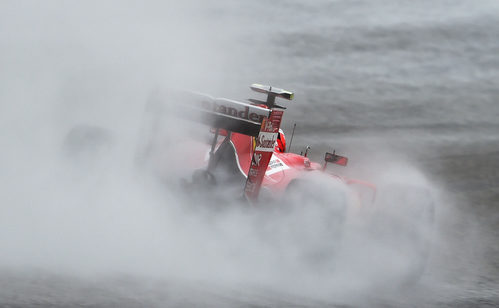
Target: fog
<point>64,64</point>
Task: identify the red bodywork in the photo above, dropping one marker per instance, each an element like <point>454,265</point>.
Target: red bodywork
<point>282,168</point>
<point>254,136</point>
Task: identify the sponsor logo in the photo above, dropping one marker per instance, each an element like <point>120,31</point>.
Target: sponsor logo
<point>236,110</point>
<point>253,172</point>
<point>250,187</point>
<point>276,165</point>
<point>256,159</point>
<point>266,142</point>
<point>268,126</point>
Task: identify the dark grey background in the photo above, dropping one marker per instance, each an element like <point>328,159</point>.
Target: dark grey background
<point>418,80</point>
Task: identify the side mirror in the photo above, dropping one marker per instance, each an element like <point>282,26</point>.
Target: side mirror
<point>335,159</point>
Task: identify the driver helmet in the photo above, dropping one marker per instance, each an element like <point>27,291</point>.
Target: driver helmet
<point>281,142</point>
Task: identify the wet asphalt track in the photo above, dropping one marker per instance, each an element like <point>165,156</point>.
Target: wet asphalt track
<point>423,76</point>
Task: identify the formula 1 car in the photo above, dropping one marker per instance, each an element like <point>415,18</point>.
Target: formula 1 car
<point>248,156</point>
<point>247,137</point>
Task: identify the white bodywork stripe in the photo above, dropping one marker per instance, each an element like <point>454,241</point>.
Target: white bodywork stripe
<point>276,165</point>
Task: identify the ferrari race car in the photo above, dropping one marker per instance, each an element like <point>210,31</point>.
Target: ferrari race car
<point>247,142</point>
<point>244,151</point>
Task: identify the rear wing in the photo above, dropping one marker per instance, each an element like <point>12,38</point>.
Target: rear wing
<point>223,113</point>
<point>260,120</point>
<point>240,117</point>
<point>231,115</point>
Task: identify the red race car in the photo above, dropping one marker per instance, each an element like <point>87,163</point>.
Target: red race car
<point>246,158</point>
<point>248,145</point>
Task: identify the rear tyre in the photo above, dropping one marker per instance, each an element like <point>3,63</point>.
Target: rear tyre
<point>314,215</point>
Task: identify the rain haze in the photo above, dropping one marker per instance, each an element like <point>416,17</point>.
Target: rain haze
<point>407,90</point>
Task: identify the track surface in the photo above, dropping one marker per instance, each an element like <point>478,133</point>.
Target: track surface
<point>417,79</point>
